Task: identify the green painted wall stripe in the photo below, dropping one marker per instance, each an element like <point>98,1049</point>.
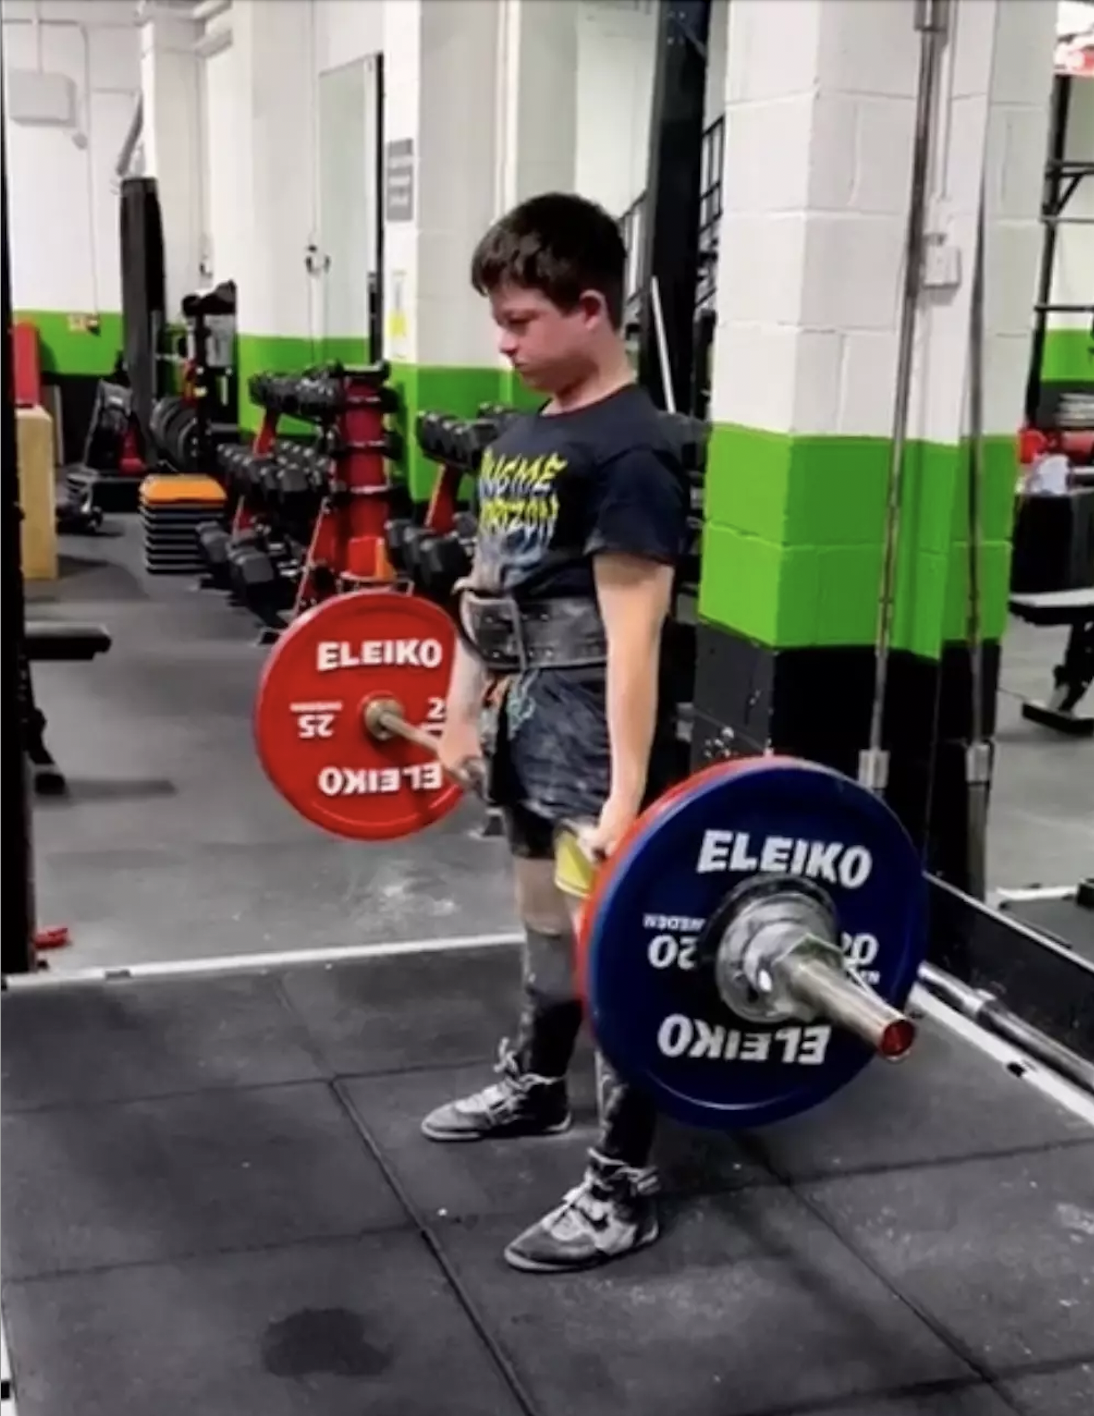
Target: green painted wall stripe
<point>512,390</point>
<point>1069,356</point>
<point>794,530</point>
<point>69,351</point>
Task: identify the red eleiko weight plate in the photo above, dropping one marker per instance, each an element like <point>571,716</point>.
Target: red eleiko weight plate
<point>309,715</point>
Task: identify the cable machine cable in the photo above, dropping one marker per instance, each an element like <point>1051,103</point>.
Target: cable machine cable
<point>978,751</point>
<point>931,24</point>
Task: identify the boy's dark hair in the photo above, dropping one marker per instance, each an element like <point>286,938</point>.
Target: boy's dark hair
<point>558,244</point>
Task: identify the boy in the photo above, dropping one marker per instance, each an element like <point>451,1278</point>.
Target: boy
<point>582,518</point>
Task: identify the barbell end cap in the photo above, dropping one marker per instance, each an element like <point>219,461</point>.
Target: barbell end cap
<point>896,1040</point>
<point>376,710</point>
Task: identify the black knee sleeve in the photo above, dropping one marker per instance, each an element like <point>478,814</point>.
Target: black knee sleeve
<point>552,1011</point>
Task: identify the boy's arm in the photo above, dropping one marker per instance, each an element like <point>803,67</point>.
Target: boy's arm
<point>638,536</point>
<point>468,681</point>
<point>635,596</point>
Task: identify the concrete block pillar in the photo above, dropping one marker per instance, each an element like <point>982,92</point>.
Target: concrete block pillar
<point>171,140</point>
<point>467,84</point>
<point>537,75</point>
<point>279,291</point>
<point>820,117</point>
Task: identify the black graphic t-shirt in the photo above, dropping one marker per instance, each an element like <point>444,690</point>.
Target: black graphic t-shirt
<point>554,492</point>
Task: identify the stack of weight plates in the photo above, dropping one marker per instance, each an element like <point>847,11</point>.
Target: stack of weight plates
<point>172,508</point>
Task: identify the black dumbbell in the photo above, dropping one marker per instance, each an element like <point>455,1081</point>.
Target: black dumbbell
<point>395,533</point>
<point>413,538</point>
<point>442,560</point>
<point>429,432</point>
<point>466,526</point>
<point>215,543</point>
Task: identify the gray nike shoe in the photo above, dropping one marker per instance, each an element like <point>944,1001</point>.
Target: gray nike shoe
<point>611,1213</point>
<point>520,1104</point>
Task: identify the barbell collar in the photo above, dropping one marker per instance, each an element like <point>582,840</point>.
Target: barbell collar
<point>779,957</point>
<point>384,719</point>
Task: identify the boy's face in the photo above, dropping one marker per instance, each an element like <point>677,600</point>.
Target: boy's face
<point>549,348</point>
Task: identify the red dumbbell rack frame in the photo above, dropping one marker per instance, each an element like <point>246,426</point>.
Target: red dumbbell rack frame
<point>348,538</point>
<point>347,550</point>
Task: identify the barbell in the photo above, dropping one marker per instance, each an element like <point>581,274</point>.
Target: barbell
<point>748,948</point>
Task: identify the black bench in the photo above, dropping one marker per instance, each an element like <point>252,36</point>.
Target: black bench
<point>1075,672</point>
<point>49,642</point>
<point>55,643</point>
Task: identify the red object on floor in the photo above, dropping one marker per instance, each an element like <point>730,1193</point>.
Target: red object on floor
<point>56,938</point>
<point>26,364</point>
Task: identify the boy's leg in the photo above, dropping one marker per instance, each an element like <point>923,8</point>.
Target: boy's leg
<point>530,1098</point>
<point>612,1211</point>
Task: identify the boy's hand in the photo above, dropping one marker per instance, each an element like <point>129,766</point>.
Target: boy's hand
<point>458,745</point>
<point>616,819</point>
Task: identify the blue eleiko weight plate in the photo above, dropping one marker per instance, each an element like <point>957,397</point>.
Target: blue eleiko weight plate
<point>659,1017</point>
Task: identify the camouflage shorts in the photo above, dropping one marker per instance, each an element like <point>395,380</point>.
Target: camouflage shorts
<point>548,740</point>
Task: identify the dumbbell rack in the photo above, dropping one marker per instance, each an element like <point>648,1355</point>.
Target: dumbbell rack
<point>348,541</point>
<point>434,553</point>
<point>308,521</point>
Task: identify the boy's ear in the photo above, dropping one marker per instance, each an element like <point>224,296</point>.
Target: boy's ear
<point>592,305</point>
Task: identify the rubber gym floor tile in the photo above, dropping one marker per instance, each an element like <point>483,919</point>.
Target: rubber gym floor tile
<point>332,1329</point>
<point>481,1178</point>
<point>69,1044</point>
<point>944,1102</point>
<point>998,1252</point>
<point>410,1010</point>
<point>748,1304</point>
<point>1069,1392</point>
<point>979,1400</point>
<point>143,1181</point>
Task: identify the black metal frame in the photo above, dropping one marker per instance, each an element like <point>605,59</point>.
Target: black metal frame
<point>376,293</point>
<point>1048,985</point>
<point>1061,179</point>
<point>17,946</point>
<point>670,235</point>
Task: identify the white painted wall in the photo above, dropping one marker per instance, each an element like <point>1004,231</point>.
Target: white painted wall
<point>226,174</point>
<point>61,189</point>
<point>346,31</point>
<point>347,194</point>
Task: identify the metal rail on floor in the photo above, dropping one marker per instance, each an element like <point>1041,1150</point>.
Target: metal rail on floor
<point>256,963</point>
<point>7,1399</point>
<point>1017,1060</point>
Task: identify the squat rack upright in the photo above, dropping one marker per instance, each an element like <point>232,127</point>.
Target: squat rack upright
<point>18,955</point>
<point>1062,178</point>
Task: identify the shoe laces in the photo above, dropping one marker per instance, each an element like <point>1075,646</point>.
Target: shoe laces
<point>514,1080</point>
<point>606,1180</point>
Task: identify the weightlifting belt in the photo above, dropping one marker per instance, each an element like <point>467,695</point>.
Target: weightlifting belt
<point>511,638</point>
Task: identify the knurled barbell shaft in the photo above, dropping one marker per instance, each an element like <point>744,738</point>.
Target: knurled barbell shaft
<point>847,1004</point>
<point>384,719</point>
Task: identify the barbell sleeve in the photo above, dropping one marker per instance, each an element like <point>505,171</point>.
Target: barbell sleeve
<point>850,1005</point>
<point>384,719</point>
